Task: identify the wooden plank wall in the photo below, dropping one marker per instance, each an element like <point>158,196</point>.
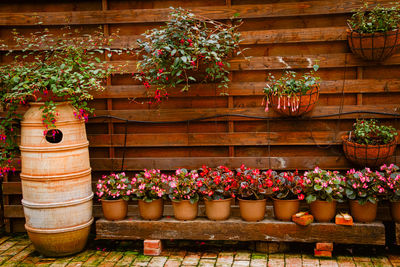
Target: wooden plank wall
<point>281,34</point>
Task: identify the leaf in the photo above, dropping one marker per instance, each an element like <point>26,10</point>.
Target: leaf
<point>97,59</point>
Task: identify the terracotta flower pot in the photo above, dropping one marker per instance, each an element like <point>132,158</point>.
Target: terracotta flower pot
<point>363,213</point>
<point>374,46</point>
<point>395,210</point>
<point>252,210</point>
<point>184,210</point>
<point>284,209</point>
<point>323,211</point>
<point>114,210</point>
<point>218,210</point>
<point>306,103</point>
<point>151,210</point>
<point>368,155</point>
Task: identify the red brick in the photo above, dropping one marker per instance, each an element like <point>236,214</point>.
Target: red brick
<point>324,246</point>
<point>152,251</point>
<point>148,243</point>
<point>322,253</point>
<point>303,220</point>
<point>341,221</point>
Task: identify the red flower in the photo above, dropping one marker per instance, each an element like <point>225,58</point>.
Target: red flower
<point>301,196</point>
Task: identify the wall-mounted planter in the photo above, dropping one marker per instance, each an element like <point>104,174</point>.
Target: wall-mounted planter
<point>374,46</point>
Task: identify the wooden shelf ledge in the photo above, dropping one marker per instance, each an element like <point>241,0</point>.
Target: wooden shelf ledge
<point>236,229</point>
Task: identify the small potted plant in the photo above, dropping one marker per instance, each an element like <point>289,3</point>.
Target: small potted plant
<point>252,186</point>
<point>292,95</point>
<point>217,187</point>
<point>370,144</point>
<point>363,190</point>
<point>183,192</point>
<point>374,34</point>
<point>149,188</point>
<point>390,176</point>
<point>188,49</point>
<point>323,189</point>
<point>287,191</point>
<point>114,191</point>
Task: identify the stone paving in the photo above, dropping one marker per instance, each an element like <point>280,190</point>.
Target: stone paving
<point>18,251</point>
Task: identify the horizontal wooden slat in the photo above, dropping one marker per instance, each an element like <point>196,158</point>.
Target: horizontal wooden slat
<point>173,163</point>
<point>237,229</point>
<point>168,115</point>
<point>304,8</point>
<point>216,139</point>
<point>255,88</point>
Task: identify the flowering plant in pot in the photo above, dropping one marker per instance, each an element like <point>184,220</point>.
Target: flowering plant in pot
<point>369,143</point>
<point>182,189</point>
<point>291,94</point>
<point>46,67</point>
<point>374,34</point>
<point>217,187</point>
<point>287,190</point>
<point>114,191</point>
<point>175,54</point>
<point>363,189</point>
<point>390,180</point>
<point>149,188</point>
<point>252,186</point>
<point>323,189</point>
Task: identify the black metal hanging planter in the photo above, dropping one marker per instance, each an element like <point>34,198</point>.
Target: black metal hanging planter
<point>374,46</point>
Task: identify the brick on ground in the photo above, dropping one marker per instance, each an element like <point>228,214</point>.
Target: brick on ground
<point>96,258</point>
<point>242,256</point>
<point>191,259</point>
<point>157,261</point>
<point>241,263</point>
<point>207,262</point>
<point>328,263</point>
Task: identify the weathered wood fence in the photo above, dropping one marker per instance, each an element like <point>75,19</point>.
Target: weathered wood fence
<point>281,34</point>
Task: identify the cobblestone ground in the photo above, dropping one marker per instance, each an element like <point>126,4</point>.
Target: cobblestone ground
<point>18,251</point>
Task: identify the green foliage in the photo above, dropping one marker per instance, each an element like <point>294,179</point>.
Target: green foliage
<point>363,186</point>
<point>183,186</point>
<point>216,184</point>
<point>379,19</point>
<point>186,45</point>
<point>290,85</point>
<point>286,185</point>
<point>324,185</point>
<point>252,184</point>
<point>149,185</point>
<point>368,132</point>
<point>114,186</point>
<point>45,65</point>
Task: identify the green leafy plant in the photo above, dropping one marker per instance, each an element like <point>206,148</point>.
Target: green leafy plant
<point>114,186</point>
<point>389,176</point>
<point>149,185</point>
<point>324,185</point>
<point>46,67</point>
<point>286,185</point>
<point>252,184</point>
<point>186,45</point>
<point>378,19</point>
<point>363,186</point>
<point>289,85</point>
<point>369,132</point>
<point>216,184</point>
<point>183,186</point>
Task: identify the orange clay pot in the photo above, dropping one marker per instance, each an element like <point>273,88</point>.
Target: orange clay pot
<point>284,209</point>
<point>363,213</point>
<point>323,211</point>
<point>184,210</point>
<point>218,210</point>
<point>252,210</point>
<point>151,210</point>
<point>114,210</point>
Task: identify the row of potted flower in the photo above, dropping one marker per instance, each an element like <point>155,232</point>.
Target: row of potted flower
<point>322,189</point>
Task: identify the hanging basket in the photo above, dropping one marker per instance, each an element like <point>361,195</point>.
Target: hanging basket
<point>374,46</point>
<point>306,103</point>
<point>368,155</point>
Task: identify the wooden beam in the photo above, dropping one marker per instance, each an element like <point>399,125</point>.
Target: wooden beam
<point>237,229</point>
<point>254,88</point>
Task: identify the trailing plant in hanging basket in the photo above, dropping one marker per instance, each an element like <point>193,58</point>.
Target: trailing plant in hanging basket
<point>374,34</point>
<point>46,67</point>
<point>292,95</point>
<point>187,45</point>
<point>370,144</point>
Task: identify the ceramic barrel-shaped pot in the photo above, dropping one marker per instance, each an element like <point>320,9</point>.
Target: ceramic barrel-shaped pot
<point>284,209</point>
<point>368,155</point>
<point>363,213</point>
<point>252,210</point>
<point>56,181</point>
<point>323,211</point>
<point>114,210</point>
<point>306,103</point>
<point>151,210</point>
<point>218,210</point>
<point>374,46</point>
<point>395,210</point>
<point>184,210</point>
